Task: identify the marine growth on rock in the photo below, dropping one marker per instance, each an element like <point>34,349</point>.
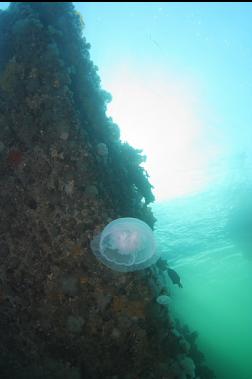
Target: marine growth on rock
<point>126,244</point>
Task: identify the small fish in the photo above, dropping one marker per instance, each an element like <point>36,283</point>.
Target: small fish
<point>174,277</point>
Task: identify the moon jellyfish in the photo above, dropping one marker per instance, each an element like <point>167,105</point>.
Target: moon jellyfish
<point>125,244</point>
<point>163,300</point>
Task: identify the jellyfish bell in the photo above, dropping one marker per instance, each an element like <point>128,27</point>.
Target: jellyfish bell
<point>125,244</point>
<point>163,300</point>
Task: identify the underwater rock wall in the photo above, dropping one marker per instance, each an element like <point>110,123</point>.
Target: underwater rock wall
<point>64,174</point>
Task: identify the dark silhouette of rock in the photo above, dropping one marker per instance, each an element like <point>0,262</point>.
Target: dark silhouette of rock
<point>64,174</point>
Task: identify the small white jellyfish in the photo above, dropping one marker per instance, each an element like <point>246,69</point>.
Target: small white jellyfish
<point>125,244</point>
<point>163,300</point>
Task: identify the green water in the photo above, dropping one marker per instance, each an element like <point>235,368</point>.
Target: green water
<point>216,300</point>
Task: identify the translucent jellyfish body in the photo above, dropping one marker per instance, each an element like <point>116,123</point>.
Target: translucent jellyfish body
<point>126,244</point>
<point>163,300</point>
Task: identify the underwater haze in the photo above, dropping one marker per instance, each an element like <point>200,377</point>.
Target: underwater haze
<point>199,236</point>
<point>181,84</point>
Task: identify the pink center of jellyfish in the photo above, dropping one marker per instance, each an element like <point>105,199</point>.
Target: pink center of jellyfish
<point>126,242</point>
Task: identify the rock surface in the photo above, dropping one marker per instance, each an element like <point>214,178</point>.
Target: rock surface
<point>64,174</point>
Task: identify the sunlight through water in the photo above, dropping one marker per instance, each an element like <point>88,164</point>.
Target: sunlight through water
<point>164,115</point>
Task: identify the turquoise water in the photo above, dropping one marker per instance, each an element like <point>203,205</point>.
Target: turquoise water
<point>195,237</point>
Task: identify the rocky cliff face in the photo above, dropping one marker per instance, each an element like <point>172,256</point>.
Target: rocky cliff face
<point>64,174</point>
